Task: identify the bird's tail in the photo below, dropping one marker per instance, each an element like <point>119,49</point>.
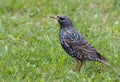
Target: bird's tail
<point>103,60</point>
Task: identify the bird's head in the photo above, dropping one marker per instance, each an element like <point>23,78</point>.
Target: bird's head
<point>64,21</point>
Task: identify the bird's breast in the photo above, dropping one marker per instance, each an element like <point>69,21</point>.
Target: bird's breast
<point>65,46</point>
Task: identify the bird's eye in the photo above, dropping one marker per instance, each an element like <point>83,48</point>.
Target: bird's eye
<point>62,18</point>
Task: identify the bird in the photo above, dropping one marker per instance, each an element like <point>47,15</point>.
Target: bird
<point>75,44</point>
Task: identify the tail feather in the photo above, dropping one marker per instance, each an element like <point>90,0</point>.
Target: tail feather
<point>103,60</point>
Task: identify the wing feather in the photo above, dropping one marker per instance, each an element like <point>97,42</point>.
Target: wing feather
<point>86,47</point>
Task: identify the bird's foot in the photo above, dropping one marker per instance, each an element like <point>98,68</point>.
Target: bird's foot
<point>72,71</point>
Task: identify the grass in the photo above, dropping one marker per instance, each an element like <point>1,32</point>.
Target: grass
<point>30,50</point>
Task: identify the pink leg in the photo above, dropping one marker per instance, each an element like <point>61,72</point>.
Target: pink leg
<point>80,66</point>
<point>76,64</point>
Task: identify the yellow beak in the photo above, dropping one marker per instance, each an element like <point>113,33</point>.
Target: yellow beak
<point>54,17</point>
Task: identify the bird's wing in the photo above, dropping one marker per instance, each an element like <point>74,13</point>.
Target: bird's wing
<point>80,45</point>
<point>87,49</point>
<point>78,42</point>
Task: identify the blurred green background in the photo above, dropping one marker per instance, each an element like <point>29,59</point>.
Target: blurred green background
<point>30,50</point>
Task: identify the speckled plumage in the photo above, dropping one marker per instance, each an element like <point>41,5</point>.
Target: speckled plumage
<point>76,45</point>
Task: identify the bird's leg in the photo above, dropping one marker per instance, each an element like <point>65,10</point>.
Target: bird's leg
<point>76,64</point>
<point>80,65</point>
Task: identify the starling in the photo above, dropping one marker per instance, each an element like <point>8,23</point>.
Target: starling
<point>75,44</point>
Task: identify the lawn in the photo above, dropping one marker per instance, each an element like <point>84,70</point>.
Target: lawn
<point>30,49</point>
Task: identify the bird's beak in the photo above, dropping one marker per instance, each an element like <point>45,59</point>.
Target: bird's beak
<point>54,17</point>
